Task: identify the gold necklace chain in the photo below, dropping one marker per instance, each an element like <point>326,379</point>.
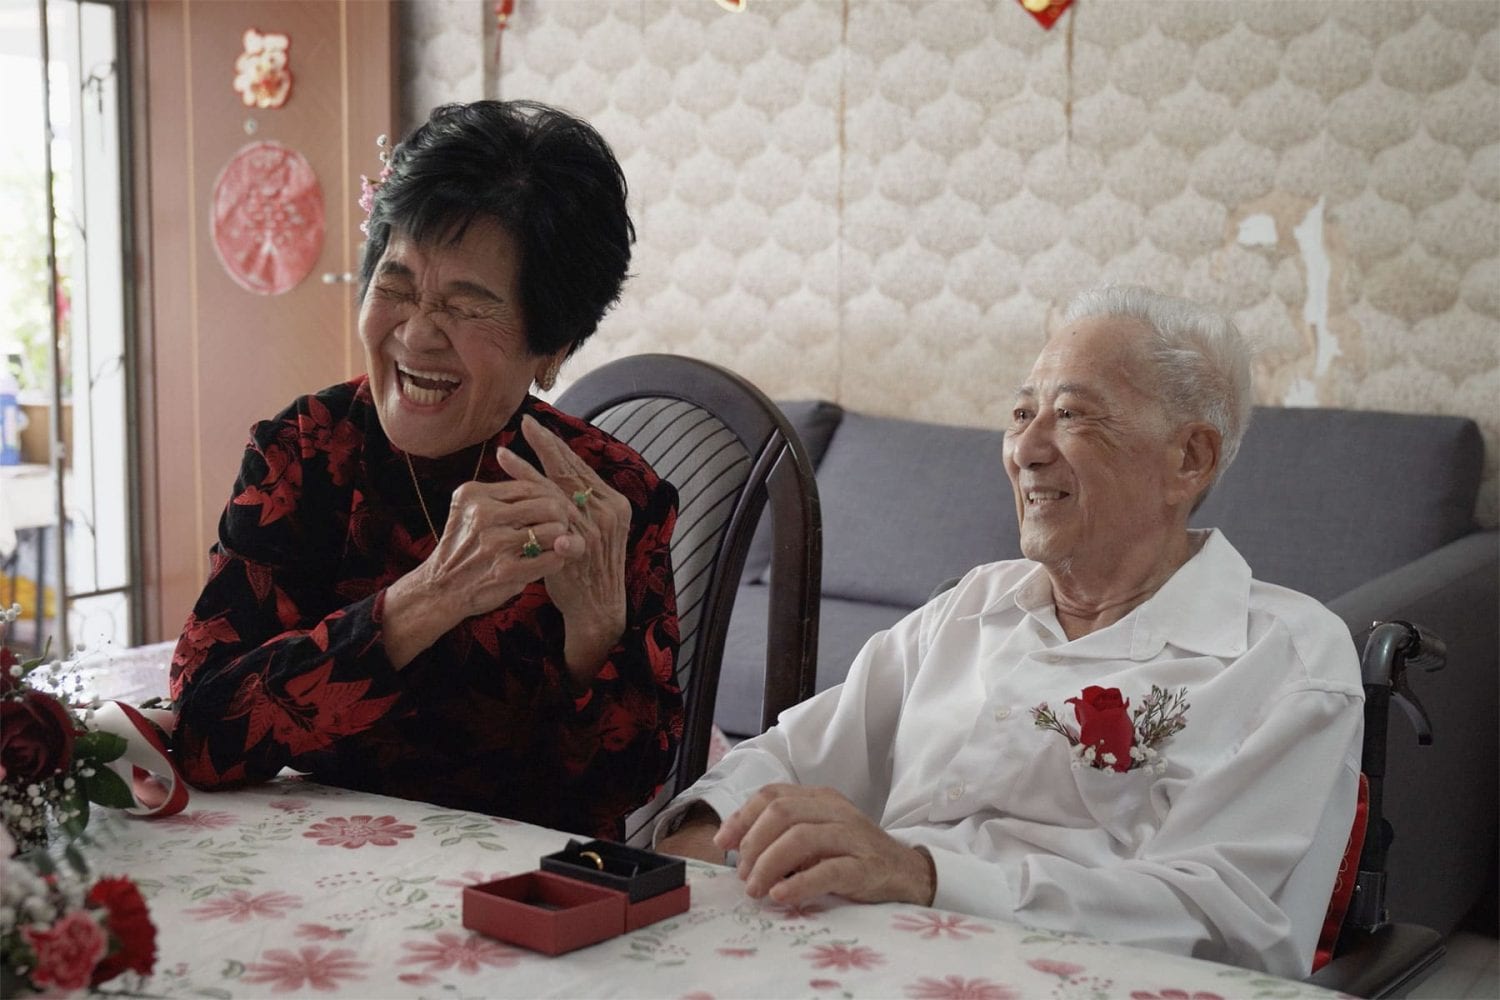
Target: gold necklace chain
<point>418,487</point>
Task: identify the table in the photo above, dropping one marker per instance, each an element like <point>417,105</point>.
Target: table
<point>28,500</point>
<point>296,888</point>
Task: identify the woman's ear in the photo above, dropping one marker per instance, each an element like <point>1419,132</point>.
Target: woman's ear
<point>546,373</point>
<point>1195,452</point>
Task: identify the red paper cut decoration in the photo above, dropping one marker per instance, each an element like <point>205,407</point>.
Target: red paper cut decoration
<point>261,74</point>
<point>268,218</point>
<point>1046,12</point>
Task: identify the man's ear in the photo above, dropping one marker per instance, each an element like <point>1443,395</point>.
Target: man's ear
<point>1195,460</point>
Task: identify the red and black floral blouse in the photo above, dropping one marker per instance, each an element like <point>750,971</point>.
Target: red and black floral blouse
<point>282,660</point>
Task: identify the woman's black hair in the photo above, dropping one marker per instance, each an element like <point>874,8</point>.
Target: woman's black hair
<point>548,178</point>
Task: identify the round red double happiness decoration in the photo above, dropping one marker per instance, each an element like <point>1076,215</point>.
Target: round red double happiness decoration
<point>268,218</point>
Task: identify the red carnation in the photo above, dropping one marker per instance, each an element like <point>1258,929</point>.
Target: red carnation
<point>1104,724</point>
<point>36,737</point>
<point>130,926</point>
<point>66,951</point>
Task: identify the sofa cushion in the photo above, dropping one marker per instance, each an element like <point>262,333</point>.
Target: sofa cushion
<point>1373,491</point>
<point>814,420</point>
<point>843,627</point>
<point>907,505</point>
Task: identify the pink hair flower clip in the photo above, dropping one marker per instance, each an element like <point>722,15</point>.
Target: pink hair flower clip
<point>367,187</point>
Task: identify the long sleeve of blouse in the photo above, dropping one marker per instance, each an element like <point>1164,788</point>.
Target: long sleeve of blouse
<point>282,662</point>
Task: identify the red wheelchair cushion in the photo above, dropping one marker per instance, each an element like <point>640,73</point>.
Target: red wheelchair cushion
<point>1343,886</point>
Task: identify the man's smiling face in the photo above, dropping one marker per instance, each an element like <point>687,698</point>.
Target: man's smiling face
<point>1087,449</point>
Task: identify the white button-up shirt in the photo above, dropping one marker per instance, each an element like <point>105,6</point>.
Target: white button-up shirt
<point>1228,853</point>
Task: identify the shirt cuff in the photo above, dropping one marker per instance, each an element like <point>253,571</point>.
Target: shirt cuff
<point>967,884</point>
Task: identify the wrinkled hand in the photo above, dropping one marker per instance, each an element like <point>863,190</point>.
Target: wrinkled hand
<point>478,564</point>
<point>797,842</point>
<point>588,587</point>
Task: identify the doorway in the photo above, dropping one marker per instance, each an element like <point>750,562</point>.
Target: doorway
<point>66,462</point>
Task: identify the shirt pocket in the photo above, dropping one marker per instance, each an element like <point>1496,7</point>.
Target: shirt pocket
<point>1119,802</point>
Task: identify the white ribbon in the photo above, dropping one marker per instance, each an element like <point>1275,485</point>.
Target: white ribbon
<point>145,767</point>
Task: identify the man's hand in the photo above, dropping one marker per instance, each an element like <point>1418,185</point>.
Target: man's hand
<point>796,843</point>
<point>695,837</point>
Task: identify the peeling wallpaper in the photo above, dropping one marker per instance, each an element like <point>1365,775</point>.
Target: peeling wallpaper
<point>885,203</point>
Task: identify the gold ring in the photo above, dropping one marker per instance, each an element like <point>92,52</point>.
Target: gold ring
<point>532,548</point>
<point>581,497</point>
<point>594,857</point>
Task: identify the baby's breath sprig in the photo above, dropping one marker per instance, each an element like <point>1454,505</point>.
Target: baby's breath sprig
<point>1045,718</point>
<point>1160,716</point>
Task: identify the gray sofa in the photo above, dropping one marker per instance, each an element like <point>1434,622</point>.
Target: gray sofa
<point>1371,513</point>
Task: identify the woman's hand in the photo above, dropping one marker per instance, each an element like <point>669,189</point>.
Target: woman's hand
<point>797,842</point>
<point>480,561</point>
<point>589,586</point>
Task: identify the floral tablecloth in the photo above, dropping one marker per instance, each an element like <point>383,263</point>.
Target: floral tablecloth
<point>298,888</point>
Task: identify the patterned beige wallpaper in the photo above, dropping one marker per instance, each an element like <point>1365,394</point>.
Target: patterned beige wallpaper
<point>882,202</point>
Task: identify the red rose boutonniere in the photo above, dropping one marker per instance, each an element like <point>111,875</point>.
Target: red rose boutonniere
<point>1110,735</point>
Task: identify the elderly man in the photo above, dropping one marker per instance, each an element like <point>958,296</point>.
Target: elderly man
<point>1122,734</point>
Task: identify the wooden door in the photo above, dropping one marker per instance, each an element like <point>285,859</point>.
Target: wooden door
<point>216,356</point>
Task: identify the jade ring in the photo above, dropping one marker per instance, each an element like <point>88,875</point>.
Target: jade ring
<point>532,548</point>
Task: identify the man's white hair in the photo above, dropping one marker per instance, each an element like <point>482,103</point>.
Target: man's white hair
<point>1200,359</point>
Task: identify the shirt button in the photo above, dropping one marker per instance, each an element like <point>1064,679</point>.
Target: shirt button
<point>1002,713</point>
<point>954,791</point>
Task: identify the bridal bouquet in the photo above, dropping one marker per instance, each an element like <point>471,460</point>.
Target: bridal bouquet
<point>59,933</point>
<point>60,929</point>
<point>54,760</point>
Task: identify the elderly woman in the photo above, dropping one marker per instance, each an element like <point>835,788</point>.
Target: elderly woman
<point>428,583</point>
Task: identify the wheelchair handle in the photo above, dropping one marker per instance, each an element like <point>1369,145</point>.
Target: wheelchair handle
<point>1391,647</point>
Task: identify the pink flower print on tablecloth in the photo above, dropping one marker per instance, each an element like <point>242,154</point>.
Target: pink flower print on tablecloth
<point>357,831</point>
<point>737,952</point>
<point>844,957</point>
<point>1174,995</point>
<point>1053,967</point>
<point>307,968</point>
<point>200,820</point>
<point>959,988</point>
<point>466,952</point>
<point>823,984</point>
<point>239,906</point>
<point>291,805</point>
<point>321,932</point>
<point>795,911</point>
<point>932,925</point>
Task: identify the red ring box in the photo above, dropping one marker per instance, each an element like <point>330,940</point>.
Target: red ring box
<point>544,912</point>
<point>552,912</point>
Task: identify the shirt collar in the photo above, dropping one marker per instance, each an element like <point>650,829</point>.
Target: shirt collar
<point>1201,608</point>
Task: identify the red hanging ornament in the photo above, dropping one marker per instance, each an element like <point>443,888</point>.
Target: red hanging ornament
<point>503,11</point>
<point>1046,12</point>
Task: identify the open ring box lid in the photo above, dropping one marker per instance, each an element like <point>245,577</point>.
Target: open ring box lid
<point>572,902</point>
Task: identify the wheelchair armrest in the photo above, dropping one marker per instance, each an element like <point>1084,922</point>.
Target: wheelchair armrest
<point>1384,963</point>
